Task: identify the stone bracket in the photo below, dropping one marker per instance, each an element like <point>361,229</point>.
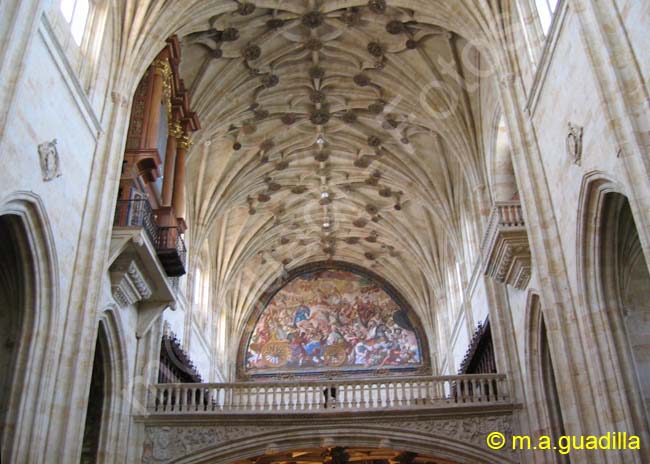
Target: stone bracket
<point>510,261</point>
<point>505,247</point>
<point>128,282</point>
<point>138,278</point>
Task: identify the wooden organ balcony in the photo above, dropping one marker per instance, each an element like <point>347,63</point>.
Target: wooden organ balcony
<point>152,186</point>
<point>171,250</point>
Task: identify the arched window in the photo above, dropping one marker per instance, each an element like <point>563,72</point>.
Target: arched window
<point>546,10</point>
<point>76,13</point>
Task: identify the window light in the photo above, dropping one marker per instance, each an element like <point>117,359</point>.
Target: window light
<point>546,9</point>
<point>75,13</point>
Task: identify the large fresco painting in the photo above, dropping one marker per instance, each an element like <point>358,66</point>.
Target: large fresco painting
<point>332,319</point>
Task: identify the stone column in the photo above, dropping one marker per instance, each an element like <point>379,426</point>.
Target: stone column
<point>77,322</point>
<point>147,363</point>
<point>170,161</point>
<point>178,201</point>
<point>577,399</point>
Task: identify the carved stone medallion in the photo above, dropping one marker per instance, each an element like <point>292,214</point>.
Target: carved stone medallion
<point>49,160</point>
<point>574,143</point>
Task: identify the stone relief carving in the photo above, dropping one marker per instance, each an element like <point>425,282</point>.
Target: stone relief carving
<point>128,283</point>
<point>49,160</point>
<point>470,429</point>
<point>574,143</point>
<point>168,443</point>
<point>165,443</point>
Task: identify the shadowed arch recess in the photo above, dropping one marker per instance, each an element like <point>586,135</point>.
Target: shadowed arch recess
<point>331,317</point>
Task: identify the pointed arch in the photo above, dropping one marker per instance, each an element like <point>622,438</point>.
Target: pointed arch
<point>115,411</point>
<point>35,356</point>
<point>605,227</point>
<point>544,410</point>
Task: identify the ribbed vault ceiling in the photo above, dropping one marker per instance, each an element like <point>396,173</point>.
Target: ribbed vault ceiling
<point>351,134</point>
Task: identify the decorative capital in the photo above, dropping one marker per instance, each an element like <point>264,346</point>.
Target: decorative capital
<point>176,130</point>
<point>162,68</point>
<point>185,142</point>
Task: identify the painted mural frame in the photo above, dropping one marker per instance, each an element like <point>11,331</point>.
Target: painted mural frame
<point>244,373</point>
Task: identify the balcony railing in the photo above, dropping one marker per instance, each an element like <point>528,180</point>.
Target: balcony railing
<point>505,248</point>
<point>168,241</point>
<point>137,213</point>
<point>171,251</point>
<point>312,397</point>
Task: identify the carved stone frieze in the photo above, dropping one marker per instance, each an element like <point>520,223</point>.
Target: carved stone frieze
<point>128,283</point>
<point>166,443</point>
<point>473,429</point>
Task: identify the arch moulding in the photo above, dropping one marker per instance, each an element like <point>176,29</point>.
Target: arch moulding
<point>35,359</point>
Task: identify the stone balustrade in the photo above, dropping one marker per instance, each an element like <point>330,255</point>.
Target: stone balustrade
<point>326,396</point>
<point>505,249</point>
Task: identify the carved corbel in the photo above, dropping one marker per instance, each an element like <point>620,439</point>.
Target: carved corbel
<point>148,313</point>
<point>128,282</point>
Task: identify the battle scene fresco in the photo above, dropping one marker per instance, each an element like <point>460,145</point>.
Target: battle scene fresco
<point>332,319</point>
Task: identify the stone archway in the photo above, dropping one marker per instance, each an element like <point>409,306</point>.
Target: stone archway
<point>544,403</point>
<point>458,438</point>
<point>13,296</point>
<point>30,308</point>
<point>614,278</point>
<point>115,423</point>
<point>107,422</point>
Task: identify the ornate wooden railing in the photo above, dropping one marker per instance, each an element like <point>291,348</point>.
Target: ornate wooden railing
<point>137,213</point>
<point>505,248</point>
<point>168,241</point>
<point>171,250</point>
<point>343,395</point>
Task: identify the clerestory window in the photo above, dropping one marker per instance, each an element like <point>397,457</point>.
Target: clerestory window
<point>75,13</point>
<point>546,10</point>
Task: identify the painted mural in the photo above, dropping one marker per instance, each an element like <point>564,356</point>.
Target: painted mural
<point>332,319</point>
